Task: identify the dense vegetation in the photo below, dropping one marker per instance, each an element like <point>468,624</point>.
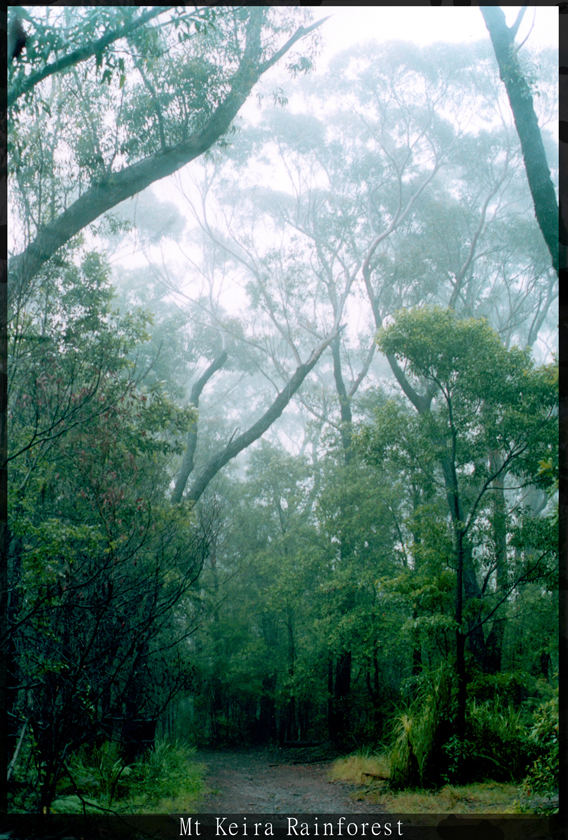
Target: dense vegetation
<point>293,477</point>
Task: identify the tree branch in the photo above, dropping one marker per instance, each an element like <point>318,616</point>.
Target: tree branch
<point>116,187</point>
<point>344,401</point>
<point>261,426</point>
<point>188,461</point>
<point>82,54</point>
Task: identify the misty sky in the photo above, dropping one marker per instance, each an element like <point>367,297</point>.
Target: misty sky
<point>427,24</point>
<point>350,25</point>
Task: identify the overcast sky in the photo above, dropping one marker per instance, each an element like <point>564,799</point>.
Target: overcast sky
<point>426,24</point>
<point>350,25</point>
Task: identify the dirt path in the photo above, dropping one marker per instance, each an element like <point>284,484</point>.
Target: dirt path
<point>268,782</point>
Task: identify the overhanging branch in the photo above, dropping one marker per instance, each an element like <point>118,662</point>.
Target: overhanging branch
<point>256,431</point>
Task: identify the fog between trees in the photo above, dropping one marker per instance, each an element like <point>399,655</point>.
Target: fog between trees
<point>297,470</point>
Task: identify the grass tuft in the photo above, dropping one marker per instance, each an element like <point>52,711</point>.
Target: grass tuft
<point>481,798</point>
<point>371,774</point>
<point>360,769</point>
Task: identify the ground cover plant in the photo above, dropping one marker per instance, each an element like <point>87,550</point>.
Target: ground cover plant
<point>164,780</point>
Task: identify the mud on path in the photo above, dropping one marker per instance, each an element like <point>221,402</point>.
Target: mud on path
<point>274,781</point>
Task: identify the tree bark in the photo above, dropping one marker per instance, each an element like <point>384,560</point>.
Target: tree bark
<point>187,465</point>
<point>344,401</point>
<point>521,101</point>
<point>340,683</point>
<point>466,589</point>
<point>421,402</point>
<point>494,642</point>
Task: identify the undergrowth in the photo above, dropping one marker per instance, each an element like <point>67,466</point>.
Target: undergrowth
<point>508,761</point>
<point>502,742</point>
<point>371,774</point>
<point>163,780</point>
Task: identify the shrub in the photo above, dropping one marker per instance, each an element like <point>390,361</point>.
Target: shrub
<point>426,751</point>
<point>500,747</point>
<point>94,773</point>
<point>166,774</point>
<point>404,768</point>
<point>100,779</point>
<point>510,687</point>
<point>417,755</point>
<point>542,778</point>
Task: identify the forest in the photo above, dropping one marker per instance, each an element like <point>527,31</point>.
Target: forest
<point>282,426</point>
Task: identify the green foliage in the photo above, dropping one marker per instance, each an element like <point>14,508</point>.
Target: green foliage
<point>99,559</point>
<point>418,756</point>
<point>427,752</point>
<point>543,775</point>
<point>505,689</point>
<point>499,747</point>
<point>440,346</point>
<point>480,382</point>
<point>166,773</point>
<point>100,780</point>
<point>531,642</point>
<point>136,80</point>
<point>458,753</point>
<point>295,566</point>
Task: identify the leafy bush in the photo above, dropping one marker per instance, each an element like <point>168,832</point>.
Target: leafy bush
<point>93,779</point>
<point>509,687</point>
<point>100,778</point>
<point>500,748</point>
<point>417,755</point>
<point>542,777</point>
<point>166,774</point>
<point>458,753</point>
<point>498,745</point>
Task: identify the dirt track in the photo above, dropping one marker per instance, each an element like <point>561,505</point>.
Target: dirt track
<point>268,782</point>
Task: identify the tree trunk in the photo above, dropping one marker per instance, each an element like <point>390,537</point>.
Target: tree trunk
<point>494,642</point>
<point>416,649</point>
<point>417,539</point>
<point>466,584</point>
<point>266,728</point>
<point>187,465</point>
<point>344,401</point>
<point>340,701</point>
<point>342,683</point>
<point>521,100</point>
<point>460,639</point>
<point>462,684</point>
<point>330,718</point>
